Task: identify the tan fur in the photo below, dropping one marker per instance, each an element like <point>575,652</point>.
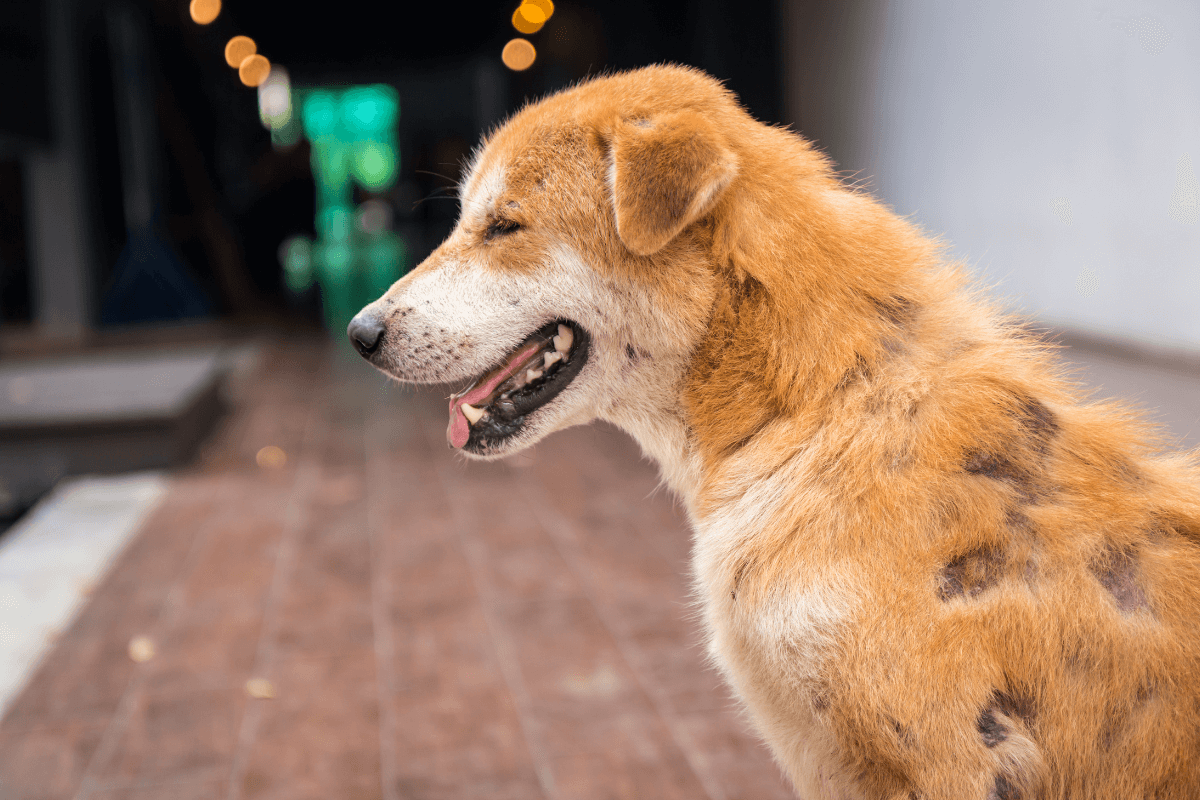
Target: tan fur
<point>927,565</point>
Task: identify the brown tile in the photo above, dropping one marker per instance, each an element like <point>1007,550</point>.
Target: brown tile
<point>428,577</point>
<point>738,761</point>
<point>205,650</point>
<point>449,785</point>
<point>175,734</point>
<point>456,723</point>
<point>450,649</point>
<point>47,761</point>
<point>83,676</point>
<point>673,661</point>
<point>319,737</point>
<point>620,775</point>
<point>173,790</point>
<point>572,668</point>
<point>238,563</point>
<point>465,738</point>
<point>327,606</point>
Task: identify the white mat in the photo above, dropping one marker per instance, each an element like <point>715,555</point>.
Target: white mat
<point>52,557</point>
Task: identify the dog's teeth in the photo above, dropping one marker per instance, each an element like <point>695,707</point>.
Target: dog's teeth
<point>472,413</point>
<point>562,342</point>
<point>550,358</point>
<point>532,375</point>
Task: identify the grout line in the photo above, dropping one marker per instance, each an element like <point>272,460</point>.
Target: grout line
<point>264,660</point>
<point>566,541</point>
<point>510,666</point>
<point>381,604</point>
<point>199,776</point>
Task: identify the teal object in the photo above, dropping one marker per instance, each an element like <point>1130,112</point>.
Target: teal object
<point>352,131</point>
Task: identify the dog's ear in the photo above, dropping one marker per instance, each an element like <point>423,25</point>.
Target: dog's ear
<point>665,173</point>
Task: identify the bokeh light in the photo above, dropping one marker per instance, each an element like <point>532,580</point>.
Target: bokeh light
<point>369,109</point>
<point>320,114</point>
<point>528,18</point>
<point>271,457</point>
<point>204,11</point>
<point>238,49</point>
<point>295,253</point>
<point>275,99</point>
<point>533,13</point>
<point>518,55</point>
<point>374,165</point>
<point>254,70</point>
<point>545,6</point>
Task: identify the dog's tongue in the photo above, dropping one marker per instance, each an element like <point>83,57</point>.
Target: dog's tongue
<point>458,431</point>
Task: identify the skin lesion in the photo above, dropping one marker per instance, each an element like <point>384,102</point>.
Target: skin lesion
<point>972,573</point>
<point>1117,571</point>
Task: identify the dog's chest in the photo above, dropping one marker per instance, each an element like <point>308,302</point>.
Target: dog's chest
<point>774,639</point>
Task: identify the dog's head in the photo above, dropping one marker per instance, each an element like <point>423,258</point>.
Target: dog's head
<point>575,284</point>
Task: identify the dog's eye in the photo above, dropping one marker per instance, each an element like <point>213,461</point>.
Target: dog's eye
<point>501,227</point>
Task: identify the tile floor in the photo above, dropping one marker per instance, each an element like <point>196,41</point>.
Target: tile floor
<point>429,629</point>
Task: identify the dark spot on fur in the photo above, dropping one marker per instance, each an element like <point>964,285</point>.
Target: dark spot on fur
<point>896,310</point>
<point>1039,423</point>
<point>1018,521</point>
<point>820,702</point>
<point>1000,468</point>
<point>630,353</point>
<point>902,733</point>
<point>991,730</point>
<point>971,573</point>
<point>1015,705</point>
<point>1116,569</point>
<point>1038,426</point>
<point>1004,790</point>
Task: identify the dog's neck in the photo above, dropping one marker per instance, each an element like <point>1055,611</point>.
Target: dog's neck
<point>771,354</point>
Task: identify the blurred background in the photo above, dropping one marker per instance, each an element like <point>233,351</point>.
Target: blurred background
<point>196,195</point>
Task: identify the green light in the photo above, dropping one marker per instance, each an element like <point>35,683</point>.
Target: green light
<point>320,115</point>
<point>374,165</point>
<point>369,109</point>
<point>334,223</point>
<point>337,259</point>
<point>297,263</point>
<point>385,263</point>
<point>353,136</point>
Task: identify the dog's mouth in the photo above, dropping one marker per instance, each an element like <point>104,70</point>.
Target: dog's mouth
<point>495,406</point>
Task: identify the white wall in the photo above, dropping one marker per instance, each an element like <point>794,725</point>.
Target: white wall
<point>1054,143</point>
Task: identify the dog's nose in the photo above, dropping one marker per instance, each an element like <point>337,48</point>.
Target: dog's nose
<point>366,331</point>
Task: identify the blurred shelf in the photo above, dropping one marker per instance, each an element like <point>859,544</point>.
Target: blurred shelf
<point>104,413</point>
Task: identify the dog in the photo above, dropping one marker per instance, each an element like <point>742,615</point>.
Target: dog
<point>927,566</point>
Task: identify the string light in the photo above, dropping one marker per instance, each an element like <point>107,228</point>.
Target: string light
<point>254,70</point>
<point>238,49</point>
<point>528,18</point>
<point>518,55</point>
<point>204,11</point>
